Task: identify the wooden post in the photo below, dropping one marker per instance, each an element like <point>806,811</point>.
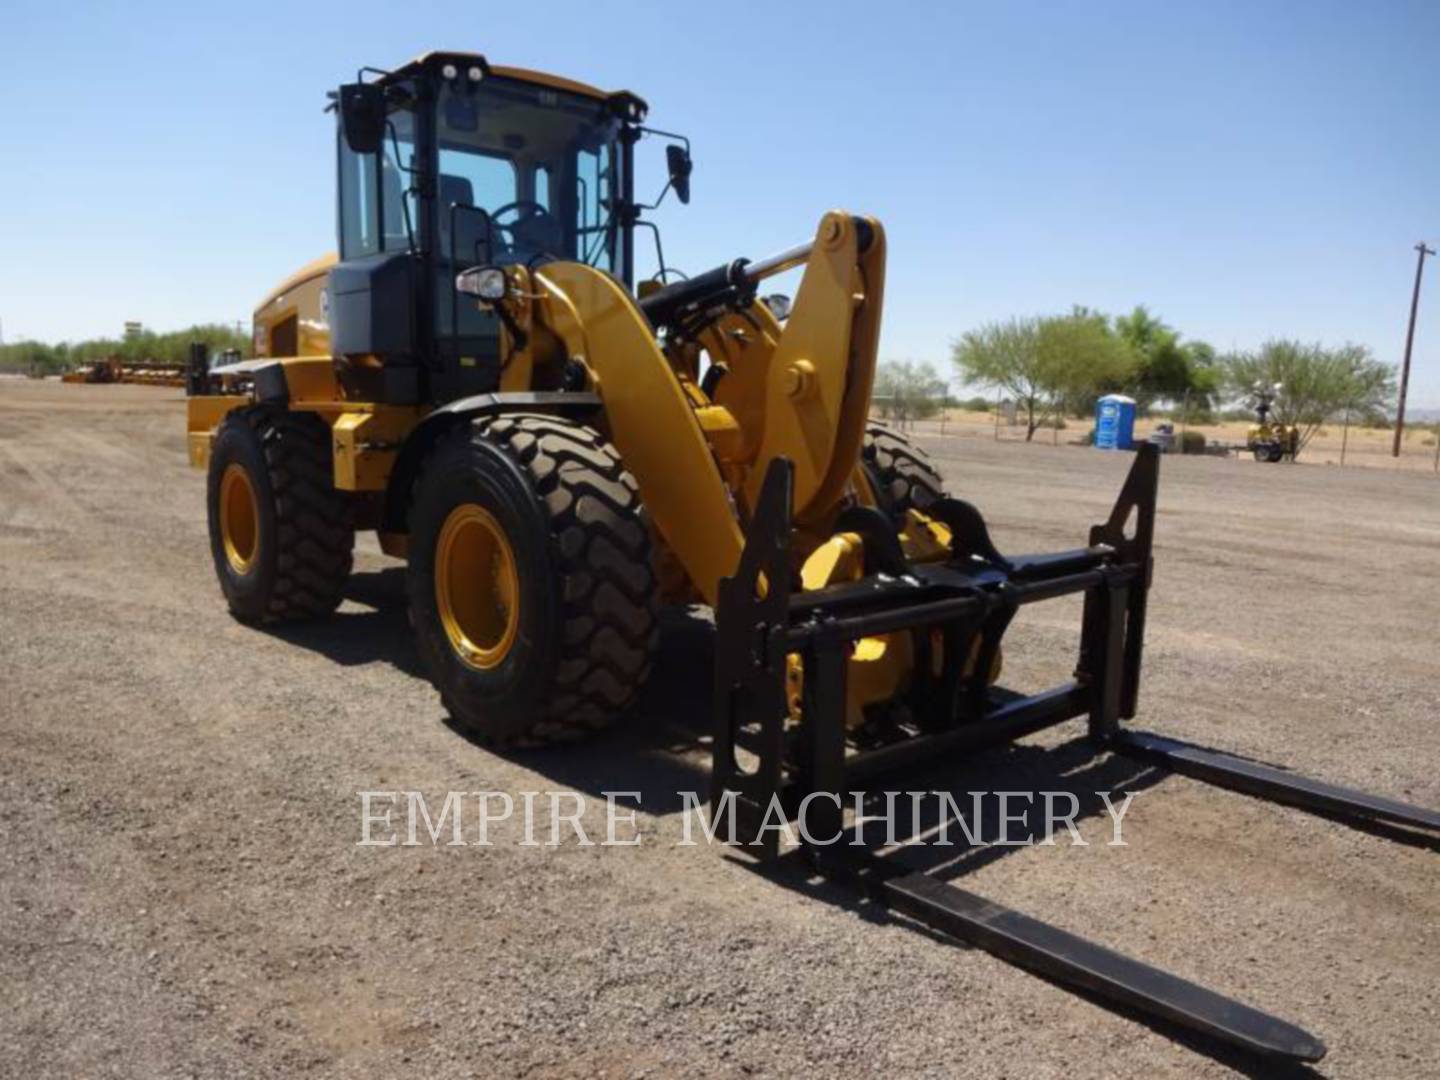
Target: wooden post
<point>1409,343</point>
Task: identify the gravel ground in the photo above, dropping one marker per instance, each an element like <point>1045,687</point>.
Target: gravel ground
<point>181,892</point>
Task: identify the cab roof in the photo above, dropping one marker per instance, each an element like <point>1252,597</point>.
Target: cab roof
<point>431,60</point>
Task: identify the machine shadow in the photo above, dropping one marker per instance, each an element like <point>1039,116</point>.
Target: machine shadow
<point>1073,769</point>
<point>378,634</point>
<point>661,748</point>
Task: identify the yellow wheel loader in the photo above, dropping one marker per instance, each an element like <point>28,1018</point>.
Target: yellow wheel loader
<point>1270,440</point>
<point>558,453</point>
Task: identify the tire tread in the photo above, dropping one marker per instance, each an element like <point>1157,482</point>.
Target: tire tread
<point>315,529</point>
<point>600,548</point>
<point>903,472</point>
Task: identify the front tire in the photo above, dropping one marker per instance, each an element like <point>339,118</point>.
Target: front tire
<point>281,536</point>
<point>531,587</point>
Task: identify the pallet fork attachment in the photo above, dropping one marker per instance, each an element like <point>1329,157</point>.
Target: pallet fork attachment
<point>970,598</point>
<point>801,769</point>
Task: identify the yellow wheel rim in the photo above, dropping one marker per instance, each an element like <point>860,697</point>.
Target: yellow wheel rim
<point>477,588</point>
<point>239,518</point>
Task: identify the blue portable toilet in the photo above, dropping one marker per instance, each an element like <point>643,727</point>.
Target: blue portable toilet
<point>1115,422</point>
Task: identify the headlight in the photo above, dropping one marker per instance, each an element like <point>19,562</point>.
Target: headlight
<point>779,305</point>
<point>488,283</point>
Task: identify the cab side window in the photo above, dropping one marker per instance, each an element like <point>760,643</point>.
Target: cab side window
<point>398,207</point>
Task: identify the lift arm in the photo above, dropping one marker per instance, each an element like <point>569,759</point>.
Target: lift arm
<point>816,387</point>
<point>819,376</point>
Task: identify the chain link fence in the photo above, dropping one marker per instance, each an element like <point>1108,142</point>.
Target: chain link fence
<point>1343,441</point>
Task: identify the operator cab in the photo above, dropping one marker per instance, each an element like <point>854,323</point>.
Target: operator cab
<point>448,163</point>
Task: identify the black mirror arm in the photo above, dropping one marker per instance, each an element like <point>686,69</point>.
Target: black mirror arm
<point>667,135</point>
<point>658,200</point>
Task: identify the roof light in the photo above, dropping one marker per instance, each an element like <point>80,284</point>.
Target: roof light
<point>449,71</point>
<point>475,74</point>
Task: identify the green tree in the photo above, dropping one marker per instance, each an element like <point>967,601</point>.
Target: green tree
<point>1006,356</point>
<point>905,390</point>
<point>172,347</point>
<point>1101,362</point>
<point>1043,363</point>
<point>1315,382</point>
<point>1169,370</point>
<point>28,356</point>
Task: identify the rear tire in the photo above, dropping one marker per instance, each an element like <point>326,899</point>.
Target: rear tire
<point>568,625</point>
<point>902,474</point>
<point>281,536</point>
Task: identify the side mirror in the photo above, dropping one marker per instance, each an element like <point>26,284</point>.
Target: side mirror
<point>362,116</point>
<point>677,160</point>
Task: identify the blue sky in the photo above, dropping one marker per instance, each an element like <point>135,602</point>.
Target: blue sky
<point>1245,169</point>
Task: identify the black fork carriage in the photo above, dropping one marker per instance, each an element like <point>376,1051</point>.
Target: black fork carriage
<point>801,767</point>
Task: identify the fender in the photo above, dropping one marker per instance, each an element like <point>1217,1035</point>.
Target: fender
<point>572,404</point>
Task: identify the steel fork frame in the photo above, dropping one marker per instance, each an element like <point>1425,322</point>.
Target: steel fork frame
<point>972,597</point>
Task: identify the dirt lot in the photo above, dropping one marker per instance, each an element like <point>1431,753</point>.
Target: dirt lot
<point>181,892</point>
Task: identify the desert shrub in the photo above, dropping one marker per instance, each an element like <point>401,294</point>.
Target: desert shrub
<point>1192,442</point>
<point>976,404</point>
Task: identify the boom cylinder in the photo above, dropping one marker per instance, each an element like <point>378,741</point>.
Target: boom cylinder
<point>777,264</point>
<point>734,279</point>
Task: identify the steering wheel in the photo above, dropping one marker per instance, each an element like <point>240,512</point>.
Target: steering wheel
<point>532,227</point>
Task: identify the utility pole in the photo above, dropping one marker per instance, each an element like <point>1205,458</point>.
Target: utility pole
<point>1409,344</point>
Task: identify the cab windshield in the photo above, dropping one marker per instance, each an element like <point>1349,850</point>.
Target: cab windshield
<point>526,172</point>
